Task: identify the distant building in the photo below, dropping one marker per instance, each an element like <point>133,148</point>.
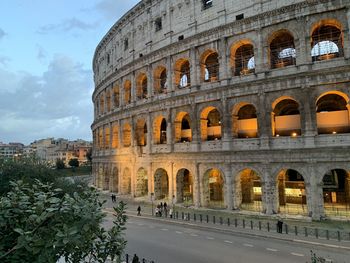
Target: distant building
<point>11,150</point>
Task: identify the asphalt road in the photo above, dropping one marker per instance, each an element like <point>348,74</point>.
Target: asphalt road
<point>169,243</point>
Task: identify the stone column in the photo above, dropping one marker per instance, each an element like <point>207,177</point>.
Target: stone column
<point>150,81</point>
<point>110,135</point>
<point>149,133</point>
<point>223,66</point>
<point>260,54</point>
<point>169,73</point>
<point>264,121</point>
<point>150,181</point>
<point>196,186</point>
<point>225,126</point>
<point>270,193</point>
<point>194,67</point>
<point>169,130</point>
<point>314,194</point>
<point>229,192</point>
<point>120,134</point>
<point>302,44</point>
<point>171,182</point>
<point>133,88</point>
<point>308,118</point>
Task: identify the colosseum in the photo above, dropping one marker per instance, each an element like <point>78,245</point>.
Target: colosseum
<point>236,105</point>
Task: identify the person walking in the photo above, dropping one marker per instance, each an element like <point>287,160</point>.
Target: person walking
<point>135,259</point>
<point>171,213</point>
<point>139,210</point>
<point>279,226</point>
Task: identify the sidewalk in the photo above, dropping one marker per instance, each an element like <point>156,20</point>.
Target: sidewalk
<point>239,224</point>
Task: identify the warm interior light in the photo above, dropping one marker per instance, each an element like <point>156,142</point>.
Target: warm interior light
<point>334,132</point>
<point>294,134</point>
<point>277,135</point>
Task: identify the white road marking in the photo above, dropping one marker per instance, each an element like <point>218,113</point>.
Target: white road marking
<point>271,249</point>
<point>194,235</point>
<point>164,229</point>
<point>210,238</point>
<point>248,245</point>
<point>178,232</point>
<point>297,254</point>
<point>227,241</point>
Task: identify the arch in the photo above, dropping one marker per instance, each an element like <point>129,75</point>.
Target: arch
<point>115,181</point>
<point>245,121</point>
<point>210,66</point>
<point>184,186</point>
<point>213,188</point>
<point>116,96</point>
<point>182,126</point>
<point>292,196</point>
<point>141,183</point>
<point>210,124</point>
<point>182,73</point>
<point>333,113</point>
<point>107,137</point>
<point>336,192</point>
<point>127,92</point>
<point>126,135</point>
<point>160,130</point>
<point>108,101</point>
<point>100,138</point>
<point>160,80</point>
<point>247,189</point>
<point>161,184</point>
<point>285,119</point>
<point>126,182</point>
<point>282,49</point>
<point>141,132</point>
<point>115,136</point>
<point>141,86</point>
<point>326,40</point>
<point>242,58</point>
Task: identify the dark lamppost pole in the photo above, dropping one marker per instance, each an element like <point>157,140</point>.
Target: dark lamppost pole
<point>152,194</point>
<point>173,204</point>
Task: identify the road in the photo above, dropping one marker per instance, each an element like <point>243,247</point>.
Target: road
<point>172,243</point>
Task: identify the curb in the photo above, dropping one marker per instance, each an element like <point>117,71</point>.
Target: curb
<point>237,232</point>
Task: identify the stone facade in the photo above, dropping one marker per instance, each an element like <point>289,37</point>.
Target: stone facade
<point>221,104</point>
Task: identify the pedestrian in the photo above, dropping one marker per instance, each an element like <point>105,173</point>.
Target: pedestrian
<point>171,213</point>
<point>161,205</point>
<point>157,211</point>
<point>135,259</point>
<point>112,197</point>
<point>139,210</point>
<point>165,205</point>
<point>279,226</point>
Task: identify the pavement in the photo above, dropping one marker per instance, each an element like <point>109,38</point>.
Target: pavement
<point>146,213</point>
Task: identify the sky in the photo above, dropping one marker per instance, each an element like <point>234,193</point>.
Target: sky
<point>46,78</point>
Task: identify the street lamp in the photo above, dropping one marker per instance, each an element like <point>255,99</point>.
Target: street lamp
<point>152,195</point>
<point>173,204</point>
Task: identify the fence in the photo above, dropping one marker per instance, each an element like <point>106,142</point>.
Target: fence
<point>268,226</point>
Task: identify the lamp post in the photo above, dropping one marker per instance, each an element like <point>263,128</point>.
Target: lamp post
<point>173,201</point>
<point>152,195</point>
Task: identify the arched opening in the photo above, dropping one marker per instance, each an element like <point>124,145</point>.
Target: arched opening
<point>127,92</point>
<point>115,137</point>
<point>326,43</point>
<point>243,60</point>
<point>182,124</point>
<point>332,114</point>
<point>282,50</point>
<point>126,182</point>
<point>291,192</point>
<point>213,189</point>
<point>210,66</point>
<point>126,135</point>
<point>336,193</point>
<point>248,191</point>
<point>108,100</point>
<point>160,80</point>
<point>182,73</point>
<point>116,96</point>
<point>141,84</point>
<point>184,187</point>
<point>102,104</point>
<point>141,132</point>
<point>107,137</point>
<point>245,122</point>
<point>159,130</point>
<point>115,185</point>
<point>286,118</point>
<point>161,184</point>
<point>141,183</point>
<point>210,124</point>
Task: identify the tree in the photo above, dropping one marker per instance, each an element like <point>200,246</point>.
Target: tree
<point>74,162</point>
<point>38,224</point>
<point>59,164</point>
<point>89,155</point>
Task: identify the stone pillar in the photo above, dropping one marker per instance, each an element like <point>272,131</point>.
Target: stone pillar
<point>308,119</point>
<point>133,88</point>
<point>110,135</point>
<point>194,68</point>
<point>260,54</point>
<point>264,121</point>
<point>225,126</point>
<point>302,44</point>
<point>237,191</point>
<point>270,193</point>
<point>169,130</point>
<point>150,81</point>
<point>104,137</point>
<point>314,194</point>
<point>150,181</point>
<point>196,186</point>
<point>171,182</point>
<point>169,73</point>
<point>223,57</point>
<point>120,134</point>
<point>229,192</point>
<point>149,133</point>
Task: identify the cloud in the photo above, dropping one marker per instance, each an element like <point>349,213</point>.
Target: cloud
<point>41,56</point>
<point>66,26</point>
<point>4,60</point>
<point>56,104</point>
<point>2,34</point>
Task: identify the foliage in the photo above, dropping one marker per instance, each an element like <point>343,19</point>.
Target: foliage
<point>39,224</point>
<point>316,259</point>
<point>74,162</point>
<point>59,164</point>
